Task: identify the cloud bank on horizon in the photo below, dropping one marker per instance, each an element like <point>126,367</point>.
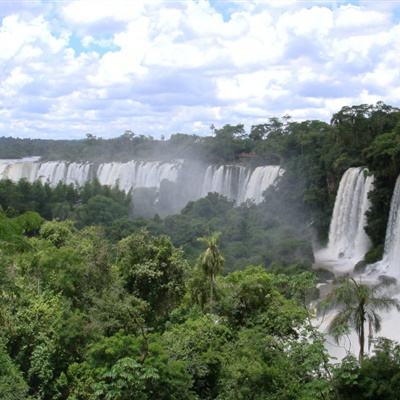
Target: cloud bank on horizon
<point>161,67</point>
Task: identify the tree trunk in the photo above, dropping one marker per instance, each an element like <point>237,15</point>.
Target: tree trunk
<point>212,294</point>
<point>361,339</point>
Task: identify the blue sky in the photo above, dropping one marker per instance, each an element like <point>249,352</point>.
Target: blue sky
<point>159,67</point>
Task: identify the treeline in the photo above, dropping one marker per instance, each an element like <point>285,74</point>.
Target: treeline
<point>91,204</point>
<point>85,318</point>
<point>251,235</point>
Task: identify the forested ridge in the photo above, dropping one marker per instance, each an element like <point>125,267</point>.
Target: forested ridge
<point>210,303</point>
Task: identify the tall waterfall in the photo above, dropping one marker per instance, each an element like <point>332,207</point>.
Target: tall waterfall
<point>240,183</point>
<point>135,174</point>
<point>259,180</point>
<point>348,241</point>
<point>224,179</point>
<point>390,264</point>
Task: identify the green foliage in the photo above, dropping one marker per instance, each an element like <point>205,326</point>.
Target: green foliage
<point>58,233</point>
<point>100,210</point>
<point>250,296</point>
<point>378,377</point>
<point>117,368</point>
<point>153,270</point>
<point>211,263</point>
<point>249,234</point>
<point>199,343</point>
<point>95,305</point>
<point>12,384</point>
<point>91,204</point>
<point>259,367</point>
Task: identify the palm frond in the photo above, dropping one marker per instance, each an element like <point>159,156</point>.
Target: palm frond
<point>384,303</point>
<point>340,324</point>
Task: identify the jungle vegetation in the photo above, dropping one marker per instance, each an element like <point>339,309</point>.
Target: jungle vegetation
<point>96,304</point>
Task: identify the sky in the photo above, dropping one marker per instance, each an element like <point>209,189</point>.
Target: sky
<point>68,68</point>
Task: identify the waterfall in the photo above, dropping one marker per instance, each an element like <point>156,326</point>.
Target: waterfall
<point>222,180</point>
<point>236,182</point>
<point>260,180</point>
<point>77,174</point>
<point>16,170</point>
<point>348,240</point>
<point>135,174</point>
<point>240,183</point>
<point>390,264</point>
<point>126,176</point>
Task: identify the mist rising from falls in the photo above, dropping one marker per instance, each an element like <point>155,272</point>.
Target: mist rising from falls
<point>348,241</point>
<point>172,183</point>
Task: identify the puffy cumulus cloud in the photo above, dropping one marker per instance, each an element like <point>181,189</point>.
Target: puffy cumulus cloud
<point>31,38</point>
<point>85,12</point>
<point>160,67</point>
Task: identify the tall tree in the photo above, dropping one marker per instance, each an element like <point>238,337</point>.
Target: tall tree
<point>358,304</point>
<point>211,262</point>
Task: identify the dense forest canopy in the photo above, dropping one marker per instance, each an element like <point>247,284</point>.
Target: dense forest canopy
<point>210,303</point>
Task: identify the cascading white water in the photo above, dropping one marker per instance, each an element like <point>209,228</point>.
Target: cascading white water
<point>348,241</point>
<point>77,174</point>
<point>388,266</point>
<point>16,170</point>
<point>222,180</point>
<point>52,172</point>
<point>240,183</point>
<point>259,180</point>
<point>135,174</point>
<point>237,183</point>
<point>390,263</point>
<point>126,175</point>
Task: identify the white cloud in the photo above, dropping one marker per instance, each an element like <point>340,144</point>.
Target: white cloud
<point>18,36</point>
<point>161,67</point>
<point>257,85</point>
<point>352,17</point>
<point>86,12</point>
<point>317,21</point>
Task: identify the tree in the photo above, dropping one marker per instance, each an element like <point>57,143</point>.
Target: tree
<point>100,210</point>
<point>199,343</point>
<point>378,377</point>
<point>357,305</point>
<point>114,368</point>
<point>58,233</point>
<point>12,384</point>
<point>211,262</point>
<point>250,297</point>
<point>152,269</point>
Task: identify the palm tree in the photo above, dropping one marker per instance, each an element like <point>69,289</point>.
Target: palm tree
<point>358,304</point>
<point>211,261</point>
